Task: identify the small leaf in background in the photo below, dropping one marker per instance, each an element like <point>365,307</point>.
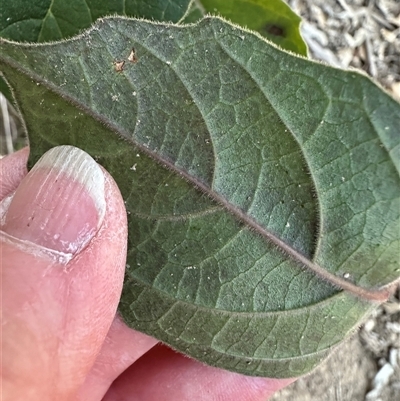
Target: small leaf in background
<point>262,189</point>
<point>273,19</point>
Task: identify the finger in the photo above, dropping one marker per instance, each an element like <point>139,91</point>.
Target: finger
<point>12,171</point>
<point>163,374</point>
<point>121,348</point>
<point>63,251</point>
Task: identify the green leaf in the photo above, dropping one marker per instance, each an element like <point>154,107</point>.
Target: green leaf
<point>273,19</point>
<point>262,189</point>
<point>47,20</point>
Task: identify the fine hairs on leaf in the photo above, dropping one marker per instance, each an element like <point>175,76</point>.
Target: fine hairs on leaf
<point>262,188</point>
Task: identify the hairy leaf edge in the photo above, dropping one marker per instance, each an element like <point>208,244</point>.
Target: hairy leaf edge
<point>379,295</point>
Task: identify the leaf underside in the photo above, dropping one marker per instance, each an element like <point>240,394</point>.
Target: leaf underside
<point>262,189</point>
<point>48,20</point>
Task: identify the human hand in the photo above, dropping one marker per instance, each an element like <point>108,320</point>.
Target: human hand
<point>63,248</point>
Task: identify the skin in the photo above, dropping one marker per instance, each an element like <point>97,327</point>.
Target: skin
<point>61,336</point>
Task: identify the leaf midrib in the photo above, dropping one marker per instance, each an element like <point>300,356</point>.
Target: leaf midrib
<point>379,295</point>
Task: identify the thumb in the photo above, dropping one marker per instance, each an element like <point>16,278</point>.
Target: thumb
<point>63,238</point>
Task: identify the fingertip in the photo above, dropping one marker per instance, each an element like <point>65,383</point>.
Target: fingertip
<point>59,313</point>
<point>121,348</point>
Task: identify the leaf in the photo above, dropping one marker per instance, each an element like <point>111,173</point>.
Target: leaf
<point>262,188</point>
<point>273,19</point>
<point>47,20</point>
